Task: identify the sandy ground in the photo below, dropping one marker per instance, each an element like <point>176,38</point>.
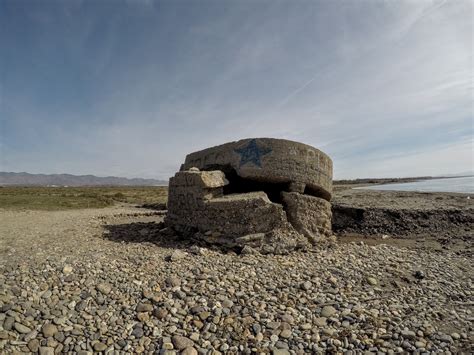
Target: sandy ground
<point>38,234</point>
<point>345,195</point>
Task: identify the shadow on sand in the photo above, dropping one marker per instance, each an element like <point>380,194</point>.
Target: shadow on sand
<point>145,232</point>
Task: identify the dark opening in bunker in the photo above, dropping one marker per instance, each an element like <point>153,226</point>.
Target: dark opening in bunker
<point>238,184</point>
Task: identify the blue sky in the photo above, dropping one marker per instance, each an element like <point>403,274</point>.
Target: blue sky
<point>128,88</point>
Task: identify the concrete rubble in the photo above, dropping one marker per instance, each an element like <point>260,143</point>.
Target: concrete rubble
<point>263,194</point>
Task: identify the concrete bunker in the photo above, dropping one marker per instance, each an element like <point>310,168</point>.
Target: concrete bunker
<point>268,194</point>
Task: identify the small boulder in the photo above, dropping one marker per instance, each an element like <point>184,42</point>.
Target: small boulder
<point>181,342</point>
<point>189,351</point>
<point>49,330</point>
<point>173,281</point>
<point>104,288</point>
<point>34,345</point>
<point>420,275</point>
<point>177,255</point>
<point>100,347</point>
<point>144,307</point>
<point>20,328</point>
<point>46,350</point>
<point>372,281</point>
<point>321,321</point>
<point>328,311</point>
<point>160,313</point>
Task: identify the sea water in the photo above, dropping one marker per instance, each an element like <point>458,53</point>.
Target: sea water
<point>461,185</point>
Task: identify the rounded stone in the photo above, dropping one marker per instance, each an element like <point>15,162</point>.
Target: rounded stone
<point>280,352</point>
<point>49,330</point>
<point>372,281</point>
<point>144,307</point>
<point>286,333</point>
<point>189,351</point>
<point>105,288</point>
<point>328,311</point>
<point>34,345</point>
<point>288,318</point>
<point>181,342</point>
<point>137,332</point>
<point>100,347</point>
<point>321,321</point>
<point>20,328</point>
<point>46,350</point>
<point>160,313</point>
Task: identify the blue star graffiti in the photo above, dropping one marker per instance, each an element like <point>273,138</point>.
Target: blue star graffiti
<point>252,153</point>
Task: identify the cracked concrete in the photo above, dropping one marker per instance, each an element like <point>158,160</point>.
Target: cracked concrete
<point>266,194</point>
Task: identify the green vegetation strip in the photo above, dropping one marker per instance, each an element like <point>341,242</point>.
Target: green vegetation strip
<point>64,198</point>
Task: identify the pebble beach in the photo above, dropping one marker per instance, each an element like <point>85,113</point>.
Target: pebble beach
<point>117,281</point>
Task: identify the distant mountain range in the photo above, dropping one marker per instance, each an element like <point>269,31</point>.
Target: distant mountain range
<point>7,178</point>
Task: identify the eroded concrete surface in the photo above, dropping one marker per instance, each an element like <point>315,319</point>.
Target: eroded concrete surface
<point>263,194</point>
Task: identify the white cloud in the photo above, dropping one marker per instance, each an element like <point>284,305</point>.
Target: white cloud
<point>451,159</point>
<point>386,88</point>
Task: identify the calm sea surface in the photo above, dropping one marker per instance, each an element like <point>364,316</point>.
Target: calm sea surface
<point>462,185</point>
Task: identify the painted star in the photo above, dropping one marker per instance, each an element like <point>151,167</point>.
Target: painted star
<point>252,153</point>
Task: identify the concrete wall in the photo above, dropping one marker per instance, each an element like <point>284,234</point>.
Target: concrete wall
<point>197,208</point>
<point>271,160</point>
<point>309,215</point>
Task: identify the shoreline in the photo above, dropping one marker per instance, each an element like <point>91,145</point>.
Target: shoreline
<point>384,181</point>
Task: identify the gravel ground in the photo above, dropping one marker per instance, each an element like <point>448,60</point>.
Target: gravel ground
<point>113,280</point>
<point>346,195</point>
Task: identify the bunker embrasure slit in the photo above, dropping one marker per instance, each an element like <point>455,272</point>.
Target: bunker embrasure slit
<point>239,185</point>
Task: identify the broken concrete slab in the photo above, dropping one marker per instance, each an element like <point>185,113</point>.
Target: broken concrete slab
<point>268,194</point>
<point>309,215</point>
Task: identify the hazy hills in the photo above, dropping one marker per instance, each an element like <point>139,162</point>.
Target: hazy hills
<point>25,179</point>
<point>8,178</point>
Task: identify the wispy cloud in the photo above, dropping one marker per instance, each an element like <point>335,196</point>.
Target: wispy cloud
<point>128,88</point>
